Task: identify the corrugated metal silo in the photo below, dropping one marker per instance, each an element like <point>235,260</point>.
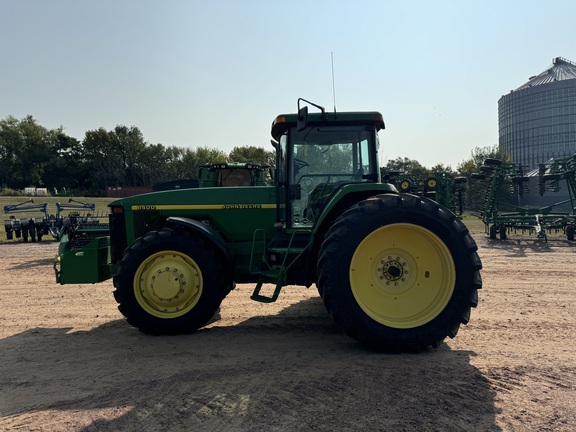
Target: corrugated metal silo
<point>537,121</point>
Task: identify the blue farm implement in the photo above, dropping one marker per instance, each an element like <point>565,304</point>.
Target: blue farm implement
<point>62,223</point>
<point>33,228</point>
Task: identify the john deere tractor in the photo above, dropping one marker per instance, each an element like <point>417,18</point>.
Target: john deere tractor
<point>395,271</point>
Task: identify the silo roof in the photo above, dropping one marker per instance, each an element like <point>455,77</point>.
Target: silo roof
<point>560,70</point>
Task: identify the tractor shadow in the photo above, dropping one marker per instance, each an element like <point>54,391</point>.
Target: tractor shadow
<point>519,247</point>
<point>32,264</point>
<point>289,371</point>
<point>25,255</point>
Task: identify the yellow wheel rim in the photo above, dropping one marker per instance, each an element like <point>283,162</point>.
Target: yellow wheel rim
<point>405,185</point>
<point>431,183</point>
<point>168,284</point>
<point>402,275</point>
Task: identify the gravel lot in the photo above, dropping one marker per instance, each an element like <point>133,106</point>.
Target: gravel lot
<point>69,361</point>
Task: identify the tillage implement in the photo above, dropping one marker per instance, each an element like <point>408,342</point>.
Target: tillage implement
<point>395,271</point>
<point>499,180</point>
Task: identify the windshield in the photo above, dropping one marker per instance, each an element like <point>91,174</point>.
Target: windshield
<point>323,159</point>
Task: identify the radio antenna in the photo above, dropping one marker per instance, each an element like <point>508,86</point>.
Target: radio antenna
<point>333,85</point>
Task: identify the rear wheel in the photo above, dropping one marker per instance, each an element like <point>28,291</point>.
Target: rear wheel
<point>399,272</point>
<point>171,282</point>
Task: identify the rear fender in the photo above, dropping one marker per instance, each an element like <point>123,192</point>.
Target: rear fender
<point>343,199</point>
<point>348,195</point>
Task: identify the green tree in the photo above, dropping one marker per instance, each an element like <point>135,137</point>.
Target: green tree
<point>440,168</point>
<point>406,166</point>
<point>25,148</point>
<point>153,164</point>
<point>129,145</point>
<point>66,168</point>
<point>100,154</point>
<point>193,159</point>
<point>117,157</point>
<point>183,163</point>
<point>257,155</point>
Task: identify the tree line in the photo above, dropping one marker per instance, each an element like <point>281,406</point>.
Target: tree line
<point>32,155</point>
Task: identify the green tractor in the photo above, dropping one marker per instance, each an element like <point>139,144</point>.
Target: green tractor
<point>395,271</point>
<point>228,174</point>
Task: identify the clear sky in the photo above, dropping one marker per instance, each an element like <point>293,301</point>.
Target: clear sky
<point>215,73</point>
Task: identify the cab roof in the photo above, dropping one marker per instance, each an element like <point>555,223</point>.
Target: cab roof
<point>285,121</point>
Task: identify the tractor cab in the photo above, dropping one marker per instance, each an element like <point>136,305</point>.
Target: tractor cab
<point>318,155</point>
<point>227,174</point>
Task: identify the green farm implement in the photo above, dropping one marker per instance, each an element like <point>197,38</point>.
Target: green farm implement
<point>500,180</point>
<point>395,271</point>
<point>443,187</point>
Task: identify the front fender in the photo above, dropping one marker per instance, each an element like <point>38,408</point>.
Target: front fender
<point>205,231</point>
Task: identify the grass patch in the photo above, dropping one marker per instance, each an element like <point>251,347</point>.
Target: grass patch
<point>473,223</point>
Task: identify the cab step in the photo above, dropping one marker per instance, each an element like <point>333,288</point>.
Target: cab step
<point>275,275</point>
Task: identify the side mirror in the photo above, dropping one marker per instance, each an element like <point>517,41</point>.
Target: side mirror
<point>302,121</point>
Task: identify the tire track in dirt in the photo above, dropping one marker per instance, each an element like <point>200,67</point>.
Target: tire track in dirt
<point>69,361</point>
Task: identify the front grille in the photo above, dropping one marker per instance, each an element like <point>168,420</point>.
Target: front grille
<point>146,220</point>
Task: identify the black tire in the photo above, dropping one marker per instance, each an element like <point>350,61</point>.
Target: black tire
<point>431,183</point>
<point>492,161</point>
<point>478,176</point>
<point>489,169</point>
<point>493,231</point>
<point>378,248</point>
<point>551,177</point>
<point>183,280</point>
<point>502,230</point>
<point>570,232</point>
<point>406,185</point>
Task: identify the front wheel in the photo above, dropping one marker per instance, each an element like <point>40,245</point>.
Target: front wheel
<point>399,272</point>
<point>170,282</point>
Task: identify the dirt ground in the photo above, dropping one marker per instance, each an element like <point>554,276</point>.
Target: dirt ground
<point>69,361</point>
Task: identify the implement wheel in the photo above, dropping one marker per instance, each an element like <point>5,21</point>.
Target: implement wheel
<point>493,231</point>
<point>170,282</point>
<point>399,273</point>
<point>503,233</point>
<point>492,162</point>
<point>569,232</point>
